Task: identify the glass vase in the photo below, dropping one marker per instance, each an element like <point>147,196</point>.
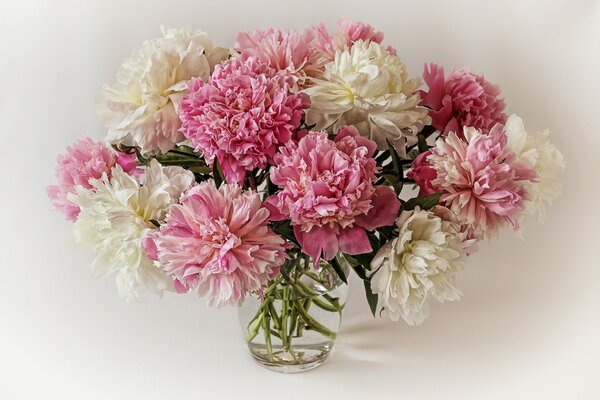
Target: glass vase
<point>292,326</point>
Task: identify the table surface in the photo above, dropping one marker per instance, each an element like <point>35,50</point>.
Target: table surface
<point>528,325</point>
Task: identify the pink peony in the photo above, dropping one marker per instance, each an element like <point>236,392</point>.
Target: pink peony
<point>480,180</point>
<point>464,99</point>
<point>241,116</point>
<point>84,160</point>
<point>423,173</point>
<point>284,50</point>
<point>328,193</point>
<point>348,34</point>
<point>217,242</point>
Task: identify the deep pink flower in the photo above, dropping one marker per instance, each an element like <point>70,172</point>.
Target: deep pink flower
<point>241,116</point>
<point>348,33</point>
<point>83,160</point>
<point>423,173</point>
<point>284,50</point>
<point>463,99</point>
<point>328,193</point>
<point>481,181</point>
<point>217,242</point>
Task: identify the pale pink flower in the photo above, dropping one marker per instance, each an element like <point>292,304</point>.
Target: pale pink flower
<point>328,193</point>
<point>218,243</point>
<point>84,160</point>
<point>284,50</point>
<point>241,116</point>
<point>348,33</point>
<point>480,180</point>
<point>463,99</point>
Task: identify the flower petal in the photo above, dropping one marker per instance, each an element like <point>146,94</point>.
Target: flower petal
<point>354,241</point>
<point>384,212</point>
<point>320,241</point>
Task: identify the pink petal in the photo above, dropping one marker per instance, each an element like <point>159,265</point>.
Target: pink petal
<point>350,130</point>
<point>434,78</point>
<point>318,240</point>
<point>384,212</point>
<point>354,241</point>
<point>271,204</point>
<point>180,287</point>
<point>149,246</point>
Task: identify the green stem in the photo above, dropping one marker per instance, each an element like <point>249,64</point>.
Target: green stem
<point>334,305</point>
<point>256,328</point>
<point>306,304</point>
<point>267,331</point>
<point>284,315</point>
<point>325,306</point>
<point>293,322</point>
<point>274,316</point>
<point>313,324</point>
<point>260,311</point>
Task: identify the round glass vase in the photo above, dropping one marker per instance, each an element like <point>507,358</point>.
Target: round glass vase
<point>292,326</point>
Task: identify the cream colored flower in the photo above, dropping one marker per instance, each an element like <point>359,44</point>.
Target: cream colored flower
<point>140,108</point>
<point>368,87</point>
<point>117,215</point>
<point>547,161</point>
<point>419,264</point>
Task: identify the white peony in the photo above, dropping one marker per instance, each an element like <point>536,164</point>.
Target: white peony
<point>419,264</point>
<point>117,215</point>
<point>544,157</point>
<point>140,108</point>
<point>368,87</point>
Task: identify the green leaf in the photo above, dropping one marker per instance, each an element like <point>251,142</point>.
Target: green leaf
<point>422,143</point>
<point>427,131</point>
<point>395,157</point>
<point>384,155</point>
<point>412,154</point>
<point>271,188</point>
<point>366,258</point>
<point>338,270</point>
<point>201,169</point>
<point>360,271</point>
<point>387,232</point>
<point>424,202</point>
<point>372,298</point>
<point>394,182</point>
<point>186,150</point>
<point>141,159</point>
<point>351,260</point>
<point>285,229</point>
<point>217,174</point>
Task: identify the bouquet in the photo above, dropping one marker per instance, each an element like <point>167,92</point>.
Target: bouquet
<point>260,176</point>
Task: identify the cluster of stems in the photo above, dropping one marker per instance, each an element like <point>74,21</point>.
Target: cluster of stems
<point>285,309</point>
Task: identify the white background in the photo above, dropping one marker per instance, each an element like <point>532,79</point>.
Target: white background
<point>527,328</point>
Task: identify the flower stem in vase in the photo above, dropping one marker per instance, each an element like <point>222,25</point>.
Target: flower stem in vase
<point>297,317</point>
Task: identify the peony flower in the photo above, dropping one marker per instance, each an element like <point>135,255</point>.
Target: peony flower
<point>218,242</point>
<point>85,160</point>
<point>368,87</point>
<point>547,161</point>
<point>140,108</point>
<point>241,116</point>
<point>116,217</point>
<point>348,34</point>
<point>284,50</point>
<point>328,193</point>
<point>422,173</point>
<point>419,265</point>
<point>464,99</point>
<point>481,181</point>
